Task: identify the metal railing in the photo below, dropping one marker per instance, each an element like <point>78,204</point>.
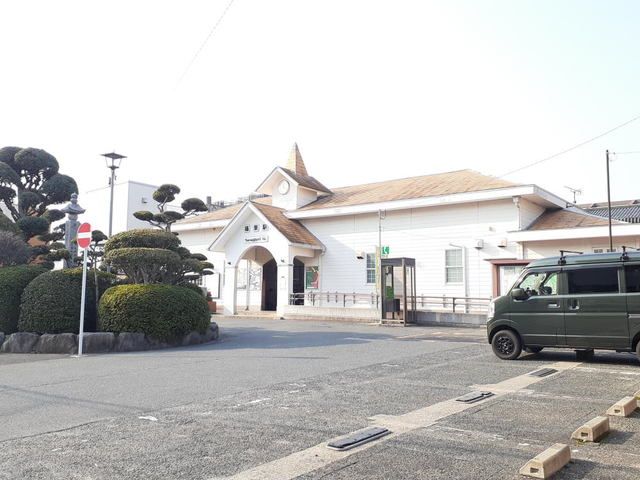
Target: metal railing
<point>334,299</point>
<point>452,304</point>
<point>444,303</point>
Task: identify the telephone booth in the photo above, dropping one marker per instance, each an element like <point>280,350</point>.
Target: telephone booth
<point>398,281</point>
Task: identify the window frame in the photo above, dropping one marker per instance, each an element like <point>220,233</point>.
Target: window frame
<point>449,267</point>
<point>548,273</point>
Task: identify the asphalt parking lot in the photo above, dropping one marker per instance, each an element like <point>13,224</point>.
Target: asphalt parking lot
<point>264,400</point>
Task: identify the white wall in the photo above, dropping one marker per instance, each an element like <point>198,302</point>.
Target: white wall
<point>127,198</point>
<point>551,248</point>
<point>198,241</point>
<point>423,234</point>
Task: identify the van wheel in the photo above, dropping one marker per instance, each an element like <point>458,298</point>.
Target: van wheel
<point>506,345</point>
<point>533,349</point>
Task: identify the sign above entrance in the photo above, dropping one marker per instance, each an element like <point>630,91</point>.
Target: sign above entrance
<point>257,239</point>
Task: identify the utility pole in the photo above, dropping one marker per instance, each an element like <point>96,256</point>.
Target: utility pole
<point>381,215</point>
<point>609,203</point>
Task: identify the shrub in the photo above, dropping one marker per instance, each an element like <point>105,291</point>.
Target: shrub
<point>13,281</point>
<point>164,312</point>
<point>194,287</point>
<point>6,224</point>
<point>51,303</point>
<point>145,265</point>
<point>142,238</point>
<point>13,250</point>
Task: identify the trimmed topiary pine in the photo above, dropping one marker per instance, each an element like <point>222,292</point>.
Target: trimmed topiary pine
<point>13,280</point>
<point>163,312</point>
<point>51,303</point>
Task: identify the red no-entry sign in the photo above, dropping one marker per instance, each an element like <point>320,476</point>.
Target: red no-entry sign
<point>84,235</point>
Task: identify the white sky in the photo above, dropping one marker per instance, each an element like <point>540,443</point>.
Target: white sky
<point>371,90</point>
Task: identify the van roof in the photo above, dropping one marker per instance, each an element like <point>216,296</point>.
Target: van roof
<point>591,258</point>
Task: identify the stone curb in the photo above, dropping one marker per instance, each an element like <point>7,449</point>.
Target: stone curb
<point>98,342</point>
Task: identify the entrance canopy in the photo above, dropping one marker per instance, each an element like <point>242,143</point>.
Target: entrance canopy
<point>266,226</point>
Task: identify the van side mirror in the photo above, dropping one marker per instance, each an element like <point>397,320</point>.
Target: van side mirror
<point>519,294</point>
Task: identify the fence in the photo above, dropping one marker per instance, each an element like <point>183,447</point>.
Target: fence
<point>372,300</point>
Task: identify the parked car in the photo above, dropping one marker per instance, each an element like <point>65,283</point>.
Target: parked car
<point>583,302</point>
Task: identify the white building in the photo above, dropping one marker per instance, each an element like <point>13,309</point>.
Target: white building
<point>128,197</point>
<point>470,234</point>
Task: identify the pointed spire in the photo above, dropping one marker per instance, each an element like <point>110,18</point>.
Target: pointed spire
<point>295,162</point>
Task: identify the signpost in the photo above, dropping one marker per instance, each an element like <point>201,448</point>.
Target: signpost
<point>84,240</point>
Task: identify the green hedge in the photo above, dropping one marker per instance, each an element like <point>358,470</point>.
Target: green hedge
<point>51,303</point>
<point>164,312</point>
<point>194,287</point>
<point>142,238</point>
<point>13,281</point>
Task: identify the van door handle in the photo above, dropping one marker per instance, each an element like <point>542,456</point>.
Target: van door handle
<point>574,305</point>
<point>553,305</point>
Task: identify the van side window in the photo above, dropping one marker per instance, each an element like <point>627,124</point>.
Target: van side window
<point>632,274</point>
<point>593,280</point>
<point>540,283</point>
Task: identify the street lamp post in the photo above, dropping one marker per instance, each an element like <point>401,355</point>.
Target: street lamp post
<point>609,203</point>
<point>113,161</point>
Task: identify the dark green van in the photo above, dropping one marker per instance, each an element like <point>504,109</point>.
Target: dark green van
<point>583,302</point>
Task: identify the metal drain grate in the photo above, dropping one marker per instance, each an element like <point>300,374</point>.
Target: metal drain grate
<point>474,397</point>
<point>358,438</point>
<point>543,372</point>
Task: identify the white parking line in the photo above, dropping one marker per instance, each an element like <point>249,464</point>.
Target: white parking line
<point>318,456</point>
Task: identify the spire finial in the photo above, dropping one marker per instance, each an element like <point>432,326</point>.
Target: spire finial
<point>295,162</point>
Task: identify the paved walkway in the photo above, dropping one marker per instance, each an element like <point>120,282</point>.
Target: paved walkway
<point>272,390</point>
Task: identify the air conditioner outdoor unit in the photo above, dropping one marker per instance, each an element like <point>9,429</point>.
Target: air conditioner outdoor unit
<point>502,243</point>
<point>479,243</point>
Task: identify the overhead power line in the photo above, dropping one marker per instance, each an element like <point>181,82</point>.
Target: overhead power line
<point>206,40</point>
<point>546,159</point>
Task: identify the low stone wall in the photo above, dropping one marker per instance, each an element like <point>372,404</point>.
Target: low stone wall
<point>303,312</point>
<point>368,315</point>
<point>97,342</point>
<point>451,319</point>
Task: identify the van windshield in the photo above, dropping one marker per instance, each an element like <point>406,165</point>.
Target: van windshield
<point>540,283</point>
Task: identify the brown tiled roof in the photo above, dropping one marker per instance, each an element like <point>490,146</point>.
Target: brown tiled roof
<point>307,181</point>
<point>293,230</point>
<point>555,219</point>
<point>225,213</point>
<point>408,188</point>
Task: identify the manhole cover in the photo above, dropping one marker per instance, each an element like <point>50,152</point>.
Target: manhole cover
<point>474,397</point>
<point>358,438</point>
<point>543,372</point>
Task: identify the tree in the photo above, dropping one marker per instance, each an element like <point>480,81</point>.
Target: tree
<point>151,256</point>
<point>30,182</point>
<point>13,250</point>
<point>166,218</point>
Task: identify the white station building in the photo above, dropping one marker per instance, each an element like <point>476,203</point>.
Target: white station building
<point>470,235</point>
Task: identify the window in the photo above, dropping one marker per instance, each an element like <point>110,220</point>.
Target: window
<point>246,228</point>
<point>633,278</point>
<point>540,283</point>
<point>371,268</point>
<point>454,271</point>
<point>593,280</point>
<point>255,228</point>
<point>265,226</point>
